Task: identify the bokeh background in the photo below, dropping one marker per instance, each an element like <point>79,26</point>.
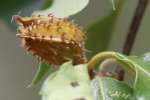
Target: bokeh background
<point>17,68</point>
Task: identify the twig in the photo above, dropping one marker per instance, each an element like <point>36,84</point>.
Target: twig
<point>133,30</point>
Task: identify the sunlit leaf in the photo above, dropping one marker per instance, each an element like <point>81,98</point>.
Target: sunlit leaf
<point>61,8</point>
<point>68,83</point>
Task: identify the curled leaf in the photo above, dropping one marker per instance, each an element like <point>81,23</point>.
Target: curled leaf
<point>137,65</point>
<point>141,66</point>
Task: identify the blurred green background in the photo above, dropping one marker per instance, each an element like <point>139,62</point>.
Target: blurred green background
<point>105,31</point>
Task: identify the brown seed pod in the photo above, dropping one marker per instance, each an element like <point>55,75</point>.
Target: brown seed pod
<point>54,40</point>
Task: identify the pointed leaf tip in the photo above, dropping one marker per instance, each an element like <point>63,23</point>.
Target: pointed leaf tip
<point>43,68</point>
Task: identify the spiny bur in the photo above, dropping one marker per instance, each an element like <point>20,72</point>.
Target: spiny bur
<point>52,39</point>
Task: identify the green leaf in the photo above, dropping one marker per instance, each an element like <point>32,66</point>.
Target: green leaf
<point>141,66</point>
<point>110,89</point>
<point>43,68</point>
<point>63,9</point>
<point>12,5</point>
<point>68,83</point>
<point>9,8</point>
<point>47,4</point>
<point>73,83</point>
<point>100,32</point>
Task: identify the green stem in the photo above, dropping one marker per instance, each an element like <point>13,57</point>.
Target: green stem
<point>106,55</point>
<point>99,57</point>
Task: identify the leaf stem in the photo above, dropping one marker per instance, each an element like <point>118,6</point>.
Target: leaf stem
<point>101,57</point>
<point>132,33</point>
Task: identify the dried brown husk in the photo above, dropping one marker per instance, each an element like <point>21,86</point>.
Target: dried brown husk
<point>55,40</point>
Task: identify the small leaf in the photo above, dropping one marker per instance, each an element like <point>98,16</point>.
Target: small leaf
<point>110,89</point>
<point>61,8</point>
<point>43,68</point>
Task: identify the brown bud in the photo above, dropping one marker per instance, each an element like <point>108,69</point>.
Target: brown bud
<point>52,39</point>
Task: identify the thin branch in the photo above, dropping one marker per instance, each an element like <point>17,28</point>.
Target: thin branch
<point>133,30</point>
<point>137,19</point>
